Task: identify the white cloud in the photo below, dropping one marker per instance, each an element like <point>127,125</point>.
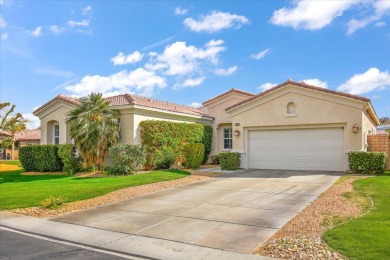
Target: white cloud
<point>55,29</point>
<point>4,36</point>
<point>316,83</point>
<point>180,11</point>
<point>121,59</point>
<point>37,32</point>
<point>182,59</point>
<point>2,2</point>
<point>381,8</point>
<point>226,72</point>
<point>215,21</point>
<point>139,81</point>
<point>266,86</point>
<point>260,55</point>
<point>195,104</point>
<point>86,10</point>
<point>3,24</point>
<point>193,82</point>
<point>83,23</point>
<point>370,80</point>
<point>311,15</point>
<point>33,121</point>
<point>380,24</point>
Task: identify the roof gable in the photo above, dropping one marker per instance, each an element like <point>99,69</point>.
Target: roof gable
<point>233,90</point>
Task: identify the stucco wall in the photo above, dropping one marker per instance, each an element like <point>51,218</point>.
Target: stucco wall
<point>314,109</point>
<point>56,114</point>
<point>368,128</point>
<point>222,119</point>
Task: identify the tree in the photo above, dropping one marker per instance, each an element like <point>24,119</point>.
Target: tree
<point>6,117</point>
<point>384,120</point>
<point>94,127</point>
<point>13,127</point>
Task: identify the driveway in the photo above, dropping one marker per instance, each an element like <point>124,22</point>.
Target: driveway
<point>235,212</point>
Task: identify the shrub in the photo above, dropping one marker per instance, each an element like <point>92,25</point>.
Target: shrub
<point>126,158</point>
<point>367,162</point>
<point>52,203</point>
<point>164,141</point>
<point>193,155</point>
<point>229,161</point>
<point>41,158</point>
<point>215,159</point>
<point>207,141</point>
<point>71,162</point>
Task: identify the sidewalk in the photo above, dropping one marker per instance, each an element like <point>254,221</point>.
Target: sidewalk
<point>137,246</point>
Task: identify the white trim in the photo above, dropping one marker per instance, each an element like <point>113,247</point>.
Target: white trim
<point>54,133</point>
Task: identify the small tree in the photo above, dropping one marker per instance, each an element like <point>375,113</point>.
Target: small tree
<point>95,128</point>
<point>6,117</point>
<point>13,127</point>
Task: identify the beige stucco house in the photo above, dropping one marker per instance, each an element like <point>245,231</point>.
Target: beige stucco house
<point>291,126</point>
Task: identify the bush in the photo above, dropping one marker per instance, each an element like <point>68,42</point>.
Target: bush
<point>40,158</point>
<point>52,203</point>
<point>215,159</point>
<point>71,162</point>
<point>164,141</point>
<point>367,162</point>
<point>229,161</point>
<point>207,141</point>
<point>193,155</point>
<point>126,158</point>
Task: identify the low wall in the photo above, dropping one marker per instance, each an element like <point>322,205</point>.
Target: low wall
<point>379,143</point>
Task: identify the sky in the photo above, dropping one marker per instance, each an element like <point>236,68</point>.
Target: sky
<point>189,51</point>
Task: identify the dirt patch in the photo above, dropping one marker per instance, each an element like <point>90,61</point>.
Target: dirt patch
<point>114,196</point>
<point>300,238</point>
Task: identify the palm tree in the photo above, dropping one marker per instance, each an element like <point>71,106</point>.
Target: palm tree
<point>13,127</point>
<point>94,127</point>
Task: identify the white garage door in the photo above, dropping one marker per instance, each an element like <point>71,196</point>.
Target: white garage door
<point>297,149</point>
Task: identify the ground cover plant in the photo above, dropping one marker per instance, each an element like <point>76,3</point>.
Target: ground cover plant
<point>366,237</point>
<point>20,191</point>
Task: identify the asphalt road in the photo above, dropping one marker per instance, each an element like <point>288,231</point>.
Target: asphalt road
<point>19,246</point>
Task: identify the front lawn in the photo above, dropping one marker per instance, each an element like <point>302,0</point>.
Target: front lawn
<point>21,191</point>
<point>366,237</point>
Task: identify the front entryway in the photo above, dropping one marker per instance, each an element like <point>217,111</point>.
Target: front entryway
<point>297,149</point>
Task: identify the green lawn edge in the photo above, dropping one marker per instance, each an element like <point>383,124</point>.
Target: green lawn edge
<point>366,237</point>
<point>22,191</point>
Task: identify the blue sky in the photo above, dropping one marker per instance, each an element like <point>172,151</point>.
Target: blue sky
<point>189,51</point>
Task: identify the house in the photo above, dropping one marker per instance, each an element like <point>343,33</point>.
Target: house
<point>290,126</point>
<point>22,138</point>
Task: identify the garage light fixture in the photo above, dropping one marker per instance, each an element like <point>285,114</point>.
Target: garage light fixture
<point>355,129</point>
<point>237,132</point>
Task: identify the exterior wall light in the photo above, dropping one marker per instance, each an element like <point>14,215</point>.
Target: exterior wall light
<point>355,129</point>
<point>237,132</point>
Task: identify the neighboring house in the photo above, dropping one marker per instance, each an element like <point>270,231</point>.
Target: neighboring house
<point>383,129</point>
<point>291,126</point>
<point>22,138</point>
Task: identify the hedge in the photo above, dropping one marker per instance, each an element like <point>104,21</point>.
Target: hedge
<point>229,161</point>
<point>40,158</point>
<point>126,158</point>
<point>193,155</point>
<point>367,162</point>
<point>164,141</point>
<point>72,163</point>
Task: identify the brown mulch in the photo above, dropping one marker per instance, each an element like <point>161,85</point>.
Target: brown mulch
<point>43,173</point>
<point>114,196</point>
<point>300,238</point>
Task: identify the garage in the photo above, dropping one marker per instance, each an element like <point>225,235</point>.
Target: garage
<point>297,149</point>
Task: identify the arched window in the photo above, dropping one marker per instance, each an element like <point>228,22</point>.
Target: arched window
<point>291,109</point>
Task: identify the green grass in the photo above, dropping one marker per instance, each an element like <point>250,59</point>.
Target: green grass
<point>21,191</point>
<point>12,162</point>
<point>367,237</point>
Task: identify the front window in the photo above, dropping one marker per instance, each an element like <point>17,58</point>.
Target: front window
<point>227,139</point>
<point>56,134</point>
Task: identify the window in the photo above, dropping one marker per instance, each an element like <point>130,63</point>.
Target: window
<point>227,138</point>
<point>56,134</point>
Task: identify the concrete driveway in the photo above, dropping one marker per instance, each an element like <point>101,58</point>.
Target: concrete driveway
<point>235,212</point>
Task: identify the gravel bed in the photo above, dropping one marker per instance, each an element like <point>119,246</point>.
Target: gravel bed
<point>300,238</point>
<point>114,196</point>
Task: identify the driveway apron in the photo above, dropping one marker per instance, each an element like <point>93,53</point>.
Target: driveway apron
<point>234,212</point>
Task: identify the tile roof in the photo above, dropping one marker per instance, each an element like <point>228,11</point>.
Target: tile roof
<point>303,85</point>
<point>227,92</point>
<point>128,99</point>
<point>28,135</point>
